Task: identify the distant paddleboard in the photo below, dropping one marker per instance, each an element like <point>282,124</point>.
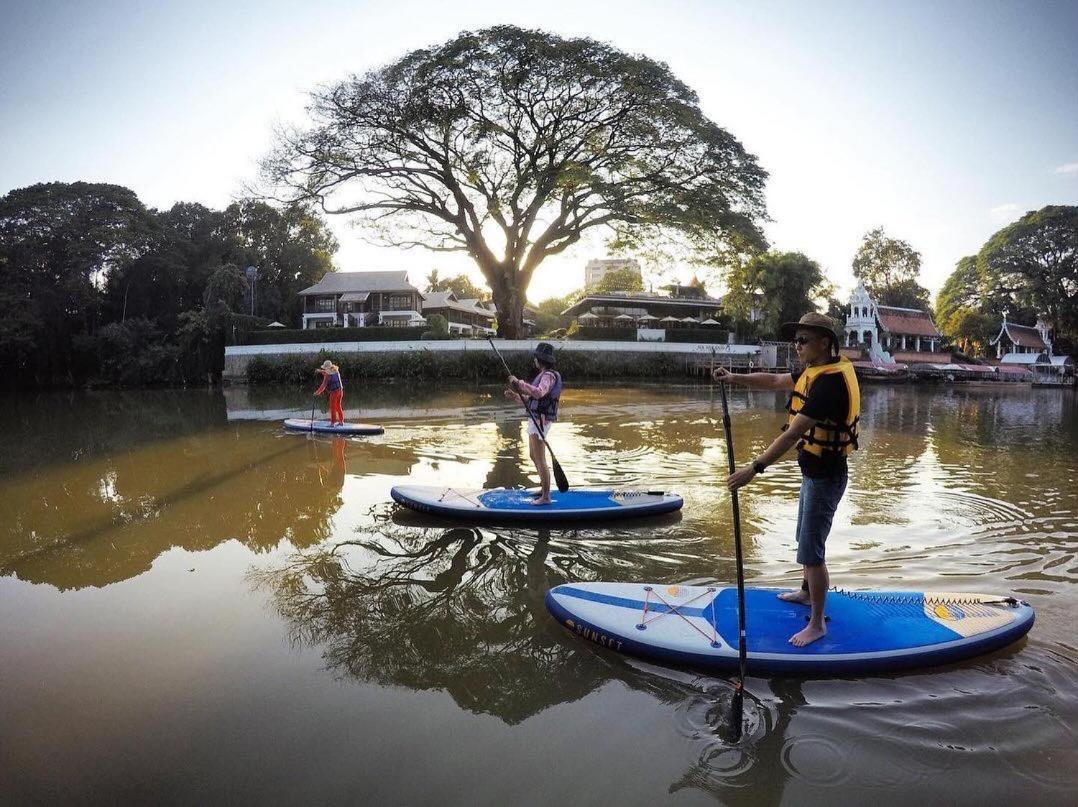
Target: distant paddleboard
<point>515,504</point>
<point>324,427</point>
<point>868,631</point>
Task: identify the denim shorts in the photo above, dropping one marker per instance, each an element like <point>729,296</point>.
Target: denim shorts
<point>815,510</point>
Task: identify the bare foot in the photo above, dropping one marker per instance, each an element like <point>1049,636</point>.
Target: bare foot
<point>541,500</point>
<point>800,596</point>
<point>807,636</point>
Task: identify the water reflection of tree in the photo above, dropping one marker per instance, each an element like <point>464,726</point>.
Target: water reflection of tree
<point>108,519</point>
<point>462,610</point>
<point>455,610</point>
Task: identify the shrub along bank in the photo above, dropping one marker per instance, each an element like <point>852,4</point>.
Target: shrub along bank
<point>466,366</point>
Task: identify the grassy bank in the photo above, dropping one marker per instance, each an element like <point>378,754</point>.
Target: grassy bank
<point>463,366</point>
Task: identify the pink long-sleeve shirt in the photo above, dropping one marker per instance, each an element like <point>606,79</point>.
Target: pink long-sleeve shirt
<point>540,390</point>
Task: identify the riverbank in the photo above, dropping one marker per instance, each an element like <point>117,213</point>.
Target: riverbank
<point>474,360</point>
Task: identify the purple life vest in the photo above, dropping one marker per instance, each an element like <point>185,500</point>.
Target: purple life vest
<point>547,406</point>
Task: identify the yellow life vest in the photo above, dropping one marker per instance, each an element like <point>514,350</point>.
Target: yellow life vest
<point>827,436</point>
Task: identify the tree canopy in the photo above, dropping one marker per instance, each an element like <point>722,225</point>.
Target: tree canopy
<point>780,285</point>
<point>1027,270</point>
<point>889,268</point>
<point>87,272</point>
<point>461,285</point>
<point>1032,266</point>
<point>624,279</point>
<point>511,144</point>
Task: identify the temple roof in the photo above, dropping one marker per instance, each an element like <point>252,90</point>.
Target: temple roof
<point>1022,335</point>
<point>907,321</point>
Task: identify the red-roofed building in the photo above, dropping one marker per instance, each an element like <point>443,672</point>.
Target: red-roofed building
<point>889,334</point>
<point>1022,344</point>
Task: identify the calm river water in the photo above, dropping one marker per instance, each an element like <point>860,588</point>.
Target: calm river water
<point>197,608</point>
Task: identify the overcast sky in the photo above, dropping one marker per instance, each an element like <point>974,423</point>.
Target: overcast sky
<point>940,121</point>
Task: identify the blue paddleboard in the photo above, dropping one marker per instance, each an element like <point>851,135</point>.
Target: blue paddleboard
<point>867,631</point>
<point>514,504</point>
<point>324,427</point>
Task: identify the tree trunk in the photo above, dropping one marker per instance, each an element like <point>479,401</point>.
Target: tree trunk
<point>509,299</point>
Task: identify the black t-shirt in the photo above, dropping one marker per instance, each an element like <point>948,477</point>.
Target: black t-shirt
<point>828,399</point>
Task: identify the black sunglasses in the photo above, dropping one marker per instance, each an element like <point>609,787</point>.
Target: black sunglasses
<point>803,340</point>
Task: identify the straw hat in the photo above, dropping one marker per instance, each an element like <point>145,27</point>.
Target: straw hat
<point>812,321</point>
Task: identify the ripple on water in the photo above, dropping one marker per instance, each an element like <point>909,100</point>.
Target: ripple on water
<point>817,759</point>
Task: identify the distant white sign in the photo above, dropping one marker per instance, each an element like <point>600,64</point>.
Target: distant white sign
<point>651,334</point>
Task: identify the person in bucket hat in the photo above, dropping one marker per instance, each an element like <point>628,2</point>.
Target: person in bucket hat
<point>331,382</point>
<point>823,409</point>
<point>541,396</point>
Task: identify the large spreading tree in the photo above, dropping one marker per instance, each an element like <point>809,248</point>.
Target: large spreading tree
<point>780,286</point>
<point>889,268</point>
<point>510,145</point>
<point>1029,269</point>
<point>1032,266</point>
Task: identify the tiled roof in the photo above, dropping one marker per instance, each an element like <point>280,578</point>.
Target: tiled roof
<point>638,300</point>
<point>1025,336</point>
<point>907,321</point>
<point>446,299</point>
<point>343,282</point>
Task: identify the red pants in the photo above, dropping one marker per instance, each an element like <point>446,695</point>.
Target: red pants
<point>336,411</point>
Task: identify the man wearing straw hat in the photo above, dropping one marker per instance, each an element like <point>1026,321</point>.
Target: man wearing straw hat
<point>824,407</point>
<point>331,382</point>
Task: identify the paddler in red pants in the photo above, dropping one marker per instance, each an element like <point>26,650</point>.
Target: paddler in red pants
<point>331,382</point>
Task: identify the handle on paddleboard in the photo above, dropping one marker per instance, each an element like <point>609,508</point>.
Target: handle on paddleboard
<point>737,705</point>
<point>559,475</point>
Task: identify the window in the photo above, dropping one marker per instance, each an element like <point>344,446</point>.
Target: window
<point>325,304</point>
<point>398,302</point>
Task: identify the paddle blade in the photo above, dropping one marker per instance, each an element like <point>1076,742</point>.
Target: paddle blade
<point>559,477</point>
<point>737,712</point>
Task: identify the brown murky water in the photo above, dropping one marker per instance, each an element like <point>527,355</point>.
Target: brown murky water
<point>196,607</point>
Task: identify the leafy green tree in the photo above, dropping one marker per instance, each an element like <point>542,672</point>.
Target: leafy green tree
<point>550,317</point>
<point>461,285</point>
<point>961,290</point>
<point>58,244</point>
<point>291,247</point>
<point>905,294</point>
<point>439,325</point>
<point>509,145</point>
<point>835,308</point>
<point>889,268</point>
<point>971,329</point>
<point>623,279</point>
<point>1031,267</point>
<point>781,285</point>
<point>226,287</point>
<point>133,353</point>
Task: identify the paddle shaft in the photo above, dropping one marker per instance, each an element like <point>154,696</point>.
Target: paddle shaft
<point>559,475</point>
<point>741,651</point>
